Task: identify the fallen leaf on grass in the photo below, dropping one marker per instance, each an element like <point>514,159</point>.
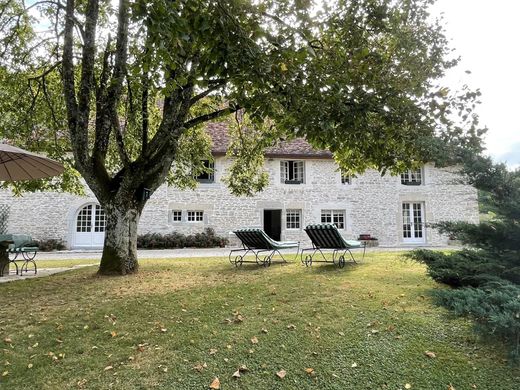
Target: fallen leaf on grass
<point>265,331</point>
<point>243,368</point>
<point>310,371</point>
<point>5,373</point>
<point>213,351</point>
<point>199,367</point>
<point>281,374</point>
<point>164,330</point>
<point>354,365</point>
<point>7,340</point>
<point>238,318</point>
<point>341,333</point>
<point>407,386</point>
<point>254,340</point>
<point>430,354</point>
<point>30,365</point>
<point>450,387</point>
<point>215,385</point>
<point>113,334</point>
<point>108,368</point>
<point>236,374</point>
<point>291,327</point>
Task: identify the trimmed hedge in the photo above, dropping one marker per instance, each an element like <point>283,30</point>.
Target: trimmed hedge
<point>207,239</point>
<point>49,245</point>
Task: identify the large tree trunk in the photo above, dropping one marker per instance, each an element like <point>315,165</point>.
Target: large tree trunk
<point>120,248</point>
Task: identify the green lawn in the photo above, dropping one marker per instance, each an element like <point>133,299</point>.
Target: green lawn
<point>64,263</point>
<point>179,324</point>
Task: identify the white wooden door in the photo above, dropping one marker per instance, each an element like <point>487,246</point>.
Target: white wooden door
<point>90,227</point>
<point>413,223</point>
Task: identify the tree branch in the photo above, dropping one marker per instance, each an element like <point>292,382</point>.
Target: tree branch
<point>107,102</point>
<point>46,72</point>
<point>103,116</point>
<point>49,103</point>
<point>69,88</point>
<point>144,111</point>
<point>87,76</point>
<point>123,155</point>
<point>208,117</point>
<point>202,95</point>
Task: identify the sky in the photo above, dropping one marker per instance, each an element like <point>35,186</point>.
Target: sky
<point>486,34</point>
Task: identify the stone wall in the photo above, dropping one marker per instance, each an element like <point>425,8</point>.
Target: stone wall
<point>372,205</point>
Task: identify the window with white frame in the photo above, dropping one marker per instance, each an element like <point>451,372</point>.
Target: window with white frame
<point>209,175</point>
<point>336,217</point>
<point>195,216</point>
<point>412,177</point>
<point>176,215</point>
<point>292,172</point>
<point>293,219</point>
<point>346,178</point>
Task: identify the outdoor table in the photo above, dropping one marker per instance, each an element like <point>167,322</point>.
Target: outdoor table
<point>5,240</point>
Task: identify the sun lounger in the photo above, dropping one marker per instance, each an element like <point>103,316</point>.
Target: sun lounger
<point>326,237</point>
<point>259,244</point>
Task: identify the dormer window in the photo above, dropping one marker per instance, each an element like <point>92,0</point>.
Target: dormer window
<point>412,177</point>
<point>292,172</point>
<point>209,175</point>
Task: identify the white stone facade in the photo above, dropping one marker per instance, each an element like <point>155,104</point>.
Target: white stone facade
<point>371,204</point>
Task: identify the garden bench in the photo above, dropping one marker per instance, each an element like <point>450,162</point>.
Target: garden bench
<point>22,250</point>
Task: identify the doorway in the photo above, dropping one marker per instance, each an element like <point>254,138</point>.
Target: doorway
<point>413,223</point>
<point>90,227</point>
<point>273,224</point>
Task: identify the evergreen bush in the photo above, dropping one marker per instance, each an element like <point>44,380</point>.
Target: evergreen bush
<point>486,275</point>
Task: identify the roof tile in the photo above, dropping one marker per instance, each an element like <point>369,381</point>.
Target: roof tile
<point>296,148</point>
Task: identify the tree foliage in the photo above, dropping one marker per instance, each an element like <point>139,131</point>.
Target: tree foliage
<point>134,85</point>
<point>486,275</point>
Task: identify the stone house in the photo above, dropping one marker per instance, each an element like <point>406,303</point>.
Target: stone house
<point>305,187</point>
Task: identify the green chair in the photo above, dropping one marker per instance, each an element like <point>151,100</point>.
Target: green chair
<point>327,237</point>
<point>258,243</point>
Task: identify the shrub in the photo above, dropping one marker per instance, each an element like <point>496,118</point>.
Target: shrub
<point>206,239</point>
<point>49,245</point>
<point>465,267</point>
<point>486,277</point>
<point>494,307</point>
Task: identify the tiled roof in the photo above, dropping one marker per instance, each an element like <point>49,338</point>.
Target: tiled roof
<point>296,148</point>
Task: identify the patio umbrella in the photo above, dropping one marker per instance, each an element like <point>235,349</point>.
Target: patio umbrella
<point>18,164</point>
